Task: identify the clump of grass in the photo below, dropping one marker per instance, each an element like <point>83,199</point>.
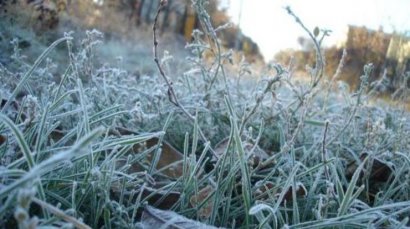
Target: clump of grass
<point>77,152</point>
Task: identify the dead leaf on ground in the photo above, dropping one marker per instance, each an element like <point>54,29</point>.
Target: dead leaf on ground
<point>269,189</point>
<point>170,160</point>
<point>265,190</point>
<point>169,164</point>
<point>379,172</point>
<point>169,156</point>
<point>300,192</point>
<point>155,196</point>
<point>155,218</point>
<point>57,134</point>
<point>253,152</point>
<point>206,210</point>
<point>3,139</point>
<point>161,199</point>
<point>13,108</point>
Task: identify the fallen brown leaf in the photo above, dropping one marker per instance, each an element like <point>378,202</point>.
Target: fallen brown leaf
<point>379,172</point>
<point>3,139</point>
<point>300,192</point>
<point>269,189</point>
<point>170,160</point>
<point>13,108</point>
<point>205,211</point>
<point>254,153</point>
<point>155,196</point>
<point>169,156</point>
<point>161,199</point>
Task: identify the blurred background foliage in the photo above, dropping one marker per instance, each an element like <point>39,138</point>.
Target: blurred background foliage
<point>389,53</point>
<point>121,20</point>
<point>127,25</point>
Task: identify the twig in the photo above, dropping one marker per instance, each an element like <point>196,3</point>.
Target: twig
<point>319,67</point>
<point>171,92</point>
<point>319,58</point>
<point>210,32</point>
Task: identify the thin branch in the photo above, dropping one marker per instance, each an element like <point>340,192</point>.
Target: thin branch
<point>171,92</point>
<point>319,57</point>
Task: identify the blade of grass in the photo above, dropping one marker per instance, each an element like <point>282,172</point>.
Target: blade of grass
<point>50,163</point>
<point>27,75</point>
<point>246,182</point>
<point>347,198</point>
<point>78,224</point>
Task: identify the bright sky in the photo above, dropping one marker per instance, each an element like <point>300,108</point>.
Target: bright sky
<point>268,24</point>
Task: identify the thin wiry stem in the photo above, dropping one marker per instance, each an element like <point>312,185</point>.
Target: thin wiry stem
<point>319,57</point>
<point>259,100</point>
<point>173,98</point>
<point>171,93</point>
<point>367,70</point>
<point>324,153</point>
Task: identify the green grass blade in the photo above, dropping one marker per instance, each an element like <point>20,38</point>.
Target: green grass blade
<point>27,75</point>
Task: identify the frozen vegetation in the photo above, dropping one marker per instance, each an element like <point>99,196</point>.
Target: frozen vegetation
<point>214,144</point>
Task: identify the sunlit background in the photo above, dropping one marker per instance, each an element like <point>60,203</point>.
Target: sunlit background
<point>269,25</point>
